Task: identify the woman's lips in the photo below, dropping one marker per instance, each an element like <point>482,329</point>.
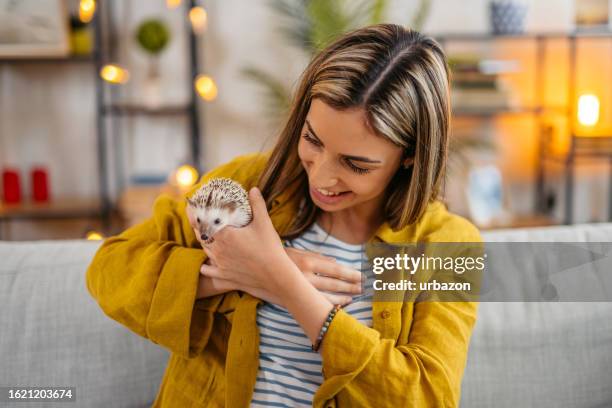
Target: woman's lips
<point>328,199</point>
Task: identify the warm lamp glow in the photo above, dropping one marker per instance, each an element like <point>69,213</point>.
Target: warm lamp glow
<point>87,8</point>
<point>94,236</point>
<point>199,18</point>
<point>172,4</point>
<point>588,110</point>
<point>206,87</point>
<point>114,74</point>
<point>186,176</point>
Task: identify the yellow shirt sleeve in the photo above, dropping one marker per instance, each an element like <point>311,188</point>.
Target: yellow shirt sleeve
<point>146,278</point>
<point>424,368</point>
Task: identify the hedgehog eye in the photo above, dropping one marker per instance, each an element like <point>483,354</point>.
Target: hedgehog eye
<point>217,220</point>
<point>198,220</point>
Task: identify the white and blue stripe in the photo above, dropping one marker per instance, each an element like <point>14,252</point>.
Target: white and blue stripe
<point>289,371</point>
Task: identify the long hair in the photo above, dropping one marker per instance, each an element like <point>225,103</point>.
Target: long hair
<point>401,79</point>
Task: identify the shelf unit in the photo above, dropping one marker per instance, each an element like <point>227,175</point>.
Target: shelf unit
<point>580,146</point>
<point>111,110</point>
<point>57,208</point>
<point>108,110</point>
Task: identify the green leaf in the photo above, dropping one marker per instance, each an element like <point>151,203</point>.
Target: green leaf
<point>377,11</point>
<point>328,21</point>
<point>276,97</point>
<point>295,25</point>
<point>418,20</point>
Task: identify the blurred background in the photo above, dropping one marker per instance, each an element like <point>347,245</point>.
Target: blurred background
<point>106,104</point>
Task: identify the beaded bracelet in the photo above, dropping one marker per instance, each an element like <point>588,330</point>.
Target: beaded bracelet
<point>330,317</point>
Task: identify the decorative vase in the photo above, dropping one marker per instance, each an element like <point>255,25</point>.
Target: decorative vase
<point>81,37</point>
<point>11,187</point>
<point>40,184</point>
<point>507,16</point>
<point>152,97</point>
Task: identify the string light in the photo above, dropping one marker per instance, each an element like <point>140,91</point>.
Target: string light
<point>94,236</point>
<point>206,87</point>
<point>198,18</point>
<point>186,176</point>
<point>114,74</point>
<point>588,110</point>
<point>87,8</point>
<point>172,4</point>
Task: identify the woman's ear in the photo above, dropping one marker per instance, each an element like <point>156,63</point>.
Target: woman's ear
<point>407,162</point>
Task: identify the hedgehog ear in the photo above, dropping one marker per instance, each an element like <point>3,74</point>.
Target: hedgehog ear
<point>189,211</point>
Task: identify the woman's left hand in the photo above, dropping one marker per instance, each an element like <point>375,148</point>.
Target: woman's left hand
<point>251,256</point>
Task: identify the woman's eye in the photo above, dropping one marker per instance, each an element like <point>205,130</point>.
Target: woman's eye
<point>356,169</point>
<point>311,139</point>
<point>198,220</point>
<point>217,220</point>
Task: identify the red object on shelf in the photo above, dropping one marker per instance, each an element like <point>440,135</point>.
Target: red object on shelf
<point>11,189</point>
<point>40,185</point>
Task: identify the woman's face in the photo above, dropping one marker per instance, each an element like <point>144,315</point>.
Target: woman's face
<point>341,155</point>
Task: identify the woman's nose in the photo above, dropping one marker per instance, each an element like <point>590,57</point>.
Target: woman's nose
<point>322,174</point>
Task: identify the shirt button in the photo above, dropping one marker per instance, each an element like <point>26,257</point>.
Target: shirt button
<point>385,314</point>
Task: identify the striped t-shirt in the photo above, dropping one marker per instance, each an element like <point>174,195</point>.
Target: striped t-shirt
<point>289,371</point>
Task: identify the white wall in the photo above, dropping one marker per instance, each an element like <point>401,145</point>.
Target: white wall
<point>47,112</point>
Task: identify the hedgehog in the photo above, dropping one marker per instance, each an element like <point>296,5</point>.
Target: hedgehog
<point>219,203</point>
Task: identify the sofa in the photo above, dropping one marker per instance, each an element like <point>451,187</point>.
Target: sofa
<point>522,354</point>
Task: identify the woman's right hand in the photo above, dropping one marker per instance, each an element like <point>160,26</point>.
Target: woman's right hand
<point>325,274</point>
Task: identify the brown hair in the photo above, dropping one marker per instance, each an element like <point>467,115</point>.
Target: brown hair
<point>400,78</point>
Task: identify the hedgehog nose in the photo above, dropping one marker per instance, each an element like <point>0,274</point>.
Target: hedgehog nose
<point>204,237</point>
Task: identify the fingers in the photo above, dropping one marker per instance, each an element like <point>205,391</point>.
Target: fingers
<point>211,271</point>
<point>337,299</point>
<point>334,285</point>
<point>211,286</point>
<point>309,253</point>
<point>338,271</point>
<point>258,204</point>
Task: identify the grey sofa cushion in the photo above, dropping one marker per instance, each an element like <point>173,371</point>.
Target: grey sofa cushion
<point>521,355</point>
<point>52,332</point>
<point>541,354</point>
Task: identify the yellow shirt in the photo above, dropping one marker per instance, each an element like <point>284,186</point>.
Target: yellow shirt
<point>146,278</point>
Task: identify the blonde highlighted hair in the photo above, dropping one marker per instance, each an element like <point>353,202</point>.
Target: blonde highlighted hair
<point>401,79</point>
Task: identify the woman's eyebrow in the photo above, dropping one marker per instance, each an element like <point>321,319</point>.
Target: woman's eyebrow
<point>356,158</point>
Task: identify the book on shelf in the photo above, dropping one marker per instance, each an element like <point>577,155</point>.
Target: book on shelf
<point>480,99</point>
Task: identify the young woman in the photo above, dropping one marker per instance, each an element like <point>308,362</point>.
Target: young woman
<point>360,160</point>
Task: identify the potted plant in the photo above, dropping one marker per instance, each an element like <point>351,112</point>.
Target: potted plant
<point>153,36</point>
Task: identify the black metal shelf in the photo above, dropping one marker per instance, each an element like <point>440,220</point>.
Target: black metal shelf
<point>111,109</point>
<point>489,112</point>
<point>107,110</point>
<point>141,110</point>
<point>71,59</point>
<point>603,34</point>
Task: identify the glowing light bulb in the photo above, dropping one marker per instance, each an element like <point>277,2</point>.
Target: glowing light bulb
<point>94,236</point>
<point>172,4</point>
<point>206,87</point>
<point>588,110</point>
<point>87,8</point>
<point>198,18</point>
<point>114,74</point>
<point>186,176</point>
